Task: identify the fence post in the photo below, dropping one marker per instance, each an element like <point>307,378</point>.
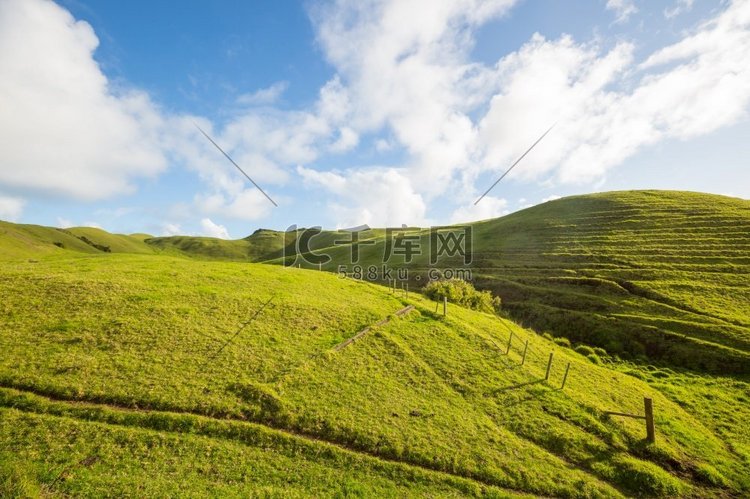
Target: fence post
<point>649,412</point>
<point>549,366</point>
<point>565,377</point>
<point>407,290</point>
<point>320,266</point>
<point>525,348</point>
<point>510,340</point>
<point>445,306</point>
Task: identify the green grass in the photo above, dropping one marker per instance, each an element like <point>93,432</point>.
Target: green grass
<point>110,243</point>
<point>125,456</point>
<point>650,275</point>
<point>118,355</point>
<point>24,241</point>
<point>430,395</point>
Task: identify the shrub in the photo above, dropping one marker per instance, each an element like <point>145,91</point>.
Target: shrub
<point>584,350</point>
<point>563,342</point>
<point>594,358</point>
<point>462,293</point>
<point>548,336</point>
<point>600,351</point>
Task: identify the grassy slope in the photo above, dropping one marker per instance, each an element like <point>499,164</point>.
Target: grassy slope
<point>114,243</point>
<point>20,241</point>
<point>644,274</point>
<point>432,397</point>
<point>650,274</point>
<point>623,269</point>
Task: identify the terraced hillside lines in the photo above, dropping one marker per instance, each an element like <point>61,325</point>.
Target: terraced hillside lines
<point>651,244</point>
<point>92,450</point>
<point>646,274</point>
<point>423,390</point>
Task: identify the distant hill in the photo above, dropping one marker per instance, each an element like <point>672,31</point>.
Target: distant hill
<point>22,241</point>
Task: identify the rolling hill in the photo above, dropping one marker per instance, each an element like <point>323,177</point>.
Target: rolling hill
<point>192,376</point>
<point>149,366</point>
<point>655,275</point>
<point>647,275</point>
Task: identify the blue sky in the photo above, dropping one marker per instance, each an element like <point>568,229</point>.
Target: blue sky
<point>351,112</point>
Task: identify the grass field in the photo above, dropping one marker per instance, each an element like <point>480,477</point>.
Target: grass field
<point>649,275</point>
<point>133,370</point>
<point>646,275</point>
<point>128,347</point>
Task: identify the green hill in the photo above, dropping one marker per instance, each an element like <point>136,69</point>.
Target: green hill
<point>22,241</point>
<point>181,377</point>
<point>186,376</point>
<point>649,275</point>
<point>635,272</point>
<point>110,243</point>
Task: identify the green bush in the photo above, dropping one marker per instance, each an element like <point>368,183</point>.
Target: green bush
<point>584,350</point>
<point>600,351</point>
<point>594,358</point>
<point>563,342</point>
<point>462,293</point>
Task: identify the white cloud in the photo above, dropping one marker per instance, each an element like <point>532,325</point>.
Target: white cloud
<point>488,207</point>
<point>376,196</point>
<point>456,119</point>
<point>11,208</point>
<point>211,229</point>
<point>347,140</point>
<point>264,96</point>
<point>684,90</point>
<point>543,83</point>
<point>551,197</point>
<point>171,229</point>
<point>678,8</point>
<point>65,128</point>
<point>64,223</point>
<point>412,77</point>
<point>623,9</point>
<point>248,204</point>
